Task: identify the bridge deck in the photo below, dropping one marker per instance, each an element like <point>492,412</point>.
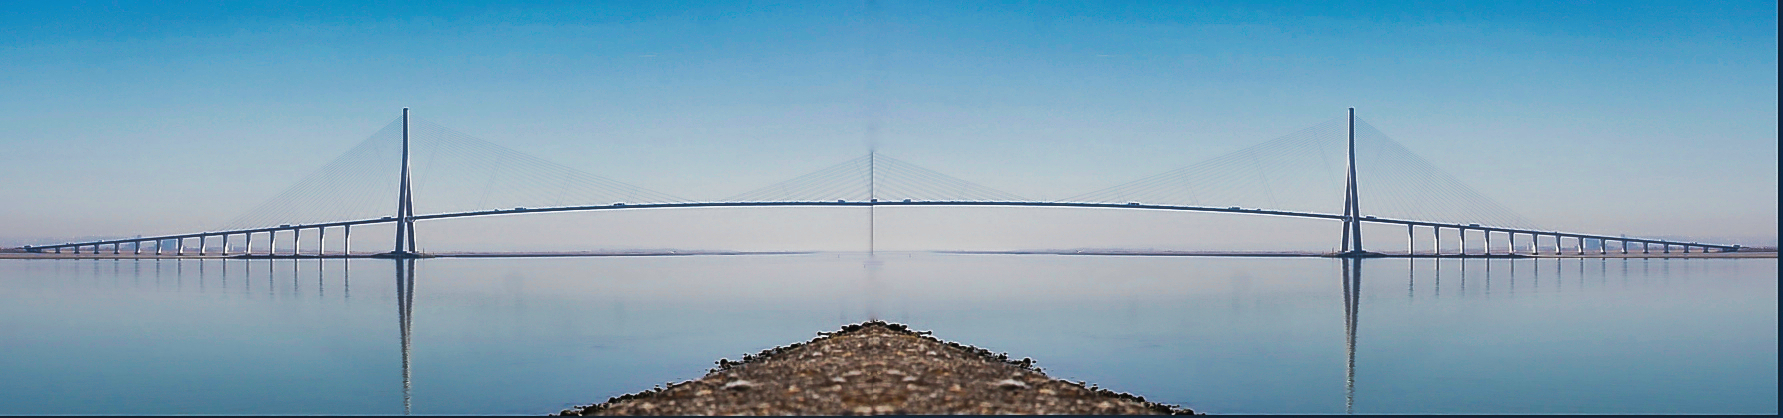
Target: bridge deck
<point>1134,205</point>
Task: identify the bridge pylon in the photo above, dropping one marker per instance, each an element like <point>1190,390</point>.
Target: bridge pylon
<point>405,207</point>
<point>1352,210</point>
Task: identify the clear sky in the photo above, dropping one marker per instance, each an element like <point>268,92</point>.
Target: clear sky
<point>1644,118</point>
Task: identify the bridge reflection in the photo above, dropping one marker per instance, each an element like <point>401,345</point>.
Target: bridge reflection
<point>405,315</point>
<point>1469,279</point>
<point>1352,305</point>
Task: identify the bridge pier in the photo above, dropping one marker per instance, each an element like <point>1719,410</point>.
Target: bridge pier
<point>1486,242</point>
<point>1436,234</point>
<point>1625,246</point>
<point>1462,249</point>
<point>1510,243</point>
<point>272,243</point>
<point>321,241</point>
<point>225,250</point>
<point>296,241</point>
<point>1411,246</point>
<point>1665,248</point>
<point>1580,242</point>
<point>346,240</point>
<point>247,243</point>
<point>1602,247</point>
<point>136,247</point>
<point>202,243</point>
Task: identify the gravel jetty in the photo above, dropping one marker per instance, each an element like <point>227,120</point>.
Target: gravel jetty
<point>876,368</point>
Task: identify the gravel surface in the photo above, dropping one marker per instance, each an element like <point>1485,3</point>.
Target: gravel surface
<point>875,368</point>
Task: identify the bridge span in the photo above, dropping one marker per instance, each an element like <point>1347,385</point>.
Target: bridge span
<point>176,244</point>
<point>1352,218</point>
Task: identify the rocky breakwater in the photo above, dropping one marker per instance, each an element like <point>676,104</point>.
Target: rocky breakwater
<point>875,368</point>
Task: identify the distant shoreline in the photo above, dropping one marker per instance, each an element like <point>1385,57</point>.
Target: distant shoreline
<point>12,253</point>
<point>1744,253</point>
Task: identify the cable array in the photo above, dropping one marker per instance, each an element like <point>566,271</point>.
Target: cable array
<point>1396,183</point>
<point>1302,172</point>
<point>899,180</point>
<point>874,176</point>
<point>359,184</point>
<point>451,172</point>
<point>463,173</point>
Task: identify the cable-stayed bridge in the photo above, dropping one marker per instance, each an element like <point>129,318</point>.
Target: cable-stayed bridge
<point>1301,175</point>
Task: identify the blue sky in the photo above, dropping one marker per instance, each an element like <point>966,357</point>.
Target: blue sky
<point>1645,118</point>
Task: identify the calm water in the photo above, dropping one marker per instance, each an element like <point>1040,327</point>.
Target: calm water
<point>1223,335</point>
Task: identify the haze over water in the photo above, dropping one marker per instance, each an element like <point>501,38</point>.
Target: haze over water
<point>1220,335</point>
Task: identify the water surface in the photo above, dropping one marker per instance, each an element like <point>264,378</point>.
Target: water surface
<point>1222,335</point>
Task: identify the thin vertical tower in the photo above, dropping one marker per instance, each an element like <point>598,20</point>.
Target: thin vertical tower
<point>1352,210</point>
<point>872,199</point>
<point>405,210</point>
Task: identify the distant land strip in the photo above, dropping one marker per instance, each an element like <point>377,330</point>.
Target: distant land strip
<point>16,253</point>
<point>1766,252</point>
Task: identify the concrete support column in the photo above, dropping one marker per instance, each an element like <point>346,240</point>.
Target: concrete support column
<point>1646,248</point>
<point>1603,246</point>
<point>114,247</point>
<point>1580,241</point>
<point>1463,248</point>
<point>1436,246</point>
<point>179,246</point>
<point>1411,247</point>
<point>202,243</point>
<point>1486,239</point>
<point>1665,248</point>
<point>272,242</point>
<point>296,241</point>
<point>77,249</point>
<point>247,242</point>
<point>321,241</point>
<point>136,247</point>
<point>1625,246</point>
<point>225,250</point>
<point>347,240</point>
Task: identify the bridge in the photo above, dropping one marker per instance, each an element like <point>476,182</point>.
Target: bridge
<point>885,176</point>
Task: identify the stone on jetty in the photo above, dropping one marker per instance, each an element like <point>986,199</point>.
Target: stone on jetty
<point>875,368</point>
